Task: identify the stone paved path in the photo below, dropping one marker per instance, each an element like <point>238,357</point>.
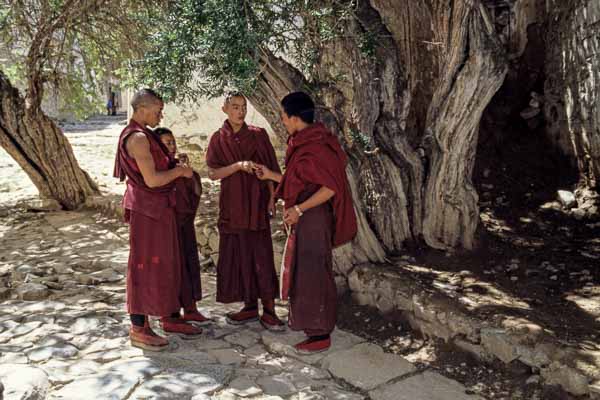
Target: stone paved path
<point>63,326</point>
<point>69,339</point>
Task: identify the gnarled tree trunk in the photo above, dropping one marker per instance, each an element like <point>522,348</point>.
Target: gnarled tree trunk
<point>41,149</point>
<point>408,113</point>
<point>572,106</point>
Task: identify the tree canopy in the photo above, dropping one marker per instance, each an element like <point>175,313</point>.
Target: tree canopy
<point>202,48</point>
<point>70,45</point>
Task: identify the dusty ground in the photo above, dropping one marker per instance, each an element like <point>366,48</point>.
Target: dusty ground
<point>531,250</point>
<point>542,261</point>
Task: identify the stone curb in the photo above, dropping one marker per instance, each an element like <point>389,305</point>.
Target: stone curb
<point>437,315</point>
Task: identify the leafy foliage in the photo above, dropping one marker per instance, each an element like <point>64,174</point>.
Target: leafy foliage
<point>70,46</point>
<point>203,48</point>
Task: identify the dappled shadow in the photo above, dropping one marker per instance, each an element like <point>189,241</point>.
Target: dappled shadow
<point>534,259</point>
<point>483,284</point>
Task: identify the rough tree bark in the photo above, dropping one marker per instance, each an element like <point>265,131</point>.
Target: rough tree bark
<point>572,106</point>
<point>41,149</point>
<point>49,31</point>
<point>416,102</point>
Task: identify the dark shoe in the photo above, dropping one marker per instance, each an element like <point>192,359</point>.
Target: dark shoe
<point>311,346</point>
<point>195,317</point>
<point>242,317</point>
<point>271,322</point>
<point>145,338</point>
<point>180,327</point>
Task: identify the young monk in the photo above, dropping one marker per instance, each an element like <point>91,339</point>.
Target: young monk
<point>318,206</point>
<point>154,267</point>
<point>188,192</point>
<point>245,270</point>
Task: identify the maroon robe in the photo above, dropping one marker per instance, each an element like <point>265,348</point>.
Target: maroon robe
<point>314,158</point>
<point>246,269</point>
<point>186,208</point>
<point>154,267</point>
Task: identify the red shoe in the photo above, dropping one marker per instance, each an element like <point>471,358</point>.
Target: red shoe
<point>145,338</point>
<point>195,317</point>
<point>311,346</point>
<point>271,322</point>
<point>179,326</point>
<point>242,317</point>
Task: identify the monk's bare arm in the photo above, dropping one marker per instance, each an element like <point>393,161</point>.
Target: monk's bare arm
<point>321,196</point>
<point>222,173</point>
<point>291,215</point>
<point>265,174</point>
<point>138,148</point>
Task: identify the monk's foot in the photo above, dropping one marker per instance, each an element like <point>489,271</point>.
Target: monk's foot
<point>195,317</point>
<point>271,322</point>
<point>180,327</point>
<point>314,344</point>
<point>144,338</point>
<point>247,314</point>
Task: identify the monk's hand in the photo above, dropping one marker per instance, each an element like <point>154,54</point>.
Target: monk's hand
<point>272,207</point>
<point>246,166</point>
<point>185,171</point>
<point>184,159</point>
<point>291,216</point>
<point>263,173</point>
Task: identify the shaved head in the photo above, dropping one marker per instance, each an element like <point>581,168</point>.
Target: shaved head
<point>145,97</point>
<point>232,95</point>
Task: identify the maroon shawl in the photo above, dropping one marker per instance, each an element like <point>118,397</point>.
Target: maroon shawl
<point>154,272</point>
<point>138,197</point>
<point>244,198</point>
<point>314,156</point>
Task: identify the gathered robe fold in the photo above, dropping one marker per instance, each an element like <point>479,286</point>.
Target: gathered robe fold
<point>314,159</point>
<point>187,202</point>
<point>314,156</point>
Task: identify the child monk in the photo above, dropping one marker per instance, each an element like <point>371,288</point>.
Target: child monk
<point>188,193</point>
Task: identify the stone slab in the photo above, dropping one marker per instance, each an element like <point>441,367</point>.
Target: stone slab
<point>23,382</point>
<point>109,385</point>
<point>425,386</point>
<point>228,356</point>
<point>244,387</point>
<point>177,385</point>
<point>366,366</point>
<point>278,385</point>
<point>283,343</point>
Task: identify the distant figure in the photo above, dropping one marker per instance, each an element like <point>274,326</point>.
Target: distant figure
<point>113,104</point>
<point>187,192</point>
<point>109,107</point>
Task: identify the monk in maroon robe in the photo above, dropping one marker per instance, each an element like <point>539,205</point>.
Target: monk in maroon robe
<point>318,207</point>
<point>154,267</point>
<point>246,269</point>
<point>187,193</point>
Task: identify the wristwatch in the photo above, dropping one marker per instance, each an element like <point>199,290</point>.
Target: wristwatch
<point>298,210</point>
